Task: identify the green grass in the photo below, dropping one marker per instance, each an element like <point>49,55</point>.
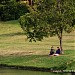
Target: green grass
<point>56,62</point>
<point>13,41</point>
<point>15,49</point>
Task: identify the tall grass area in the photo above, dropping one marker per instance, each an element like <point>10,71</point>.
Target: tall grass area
<point>13,42</point>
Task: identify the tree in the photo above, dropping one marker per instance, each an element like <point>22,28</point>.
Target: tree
<point>48,18</point>
<point>12,10</point>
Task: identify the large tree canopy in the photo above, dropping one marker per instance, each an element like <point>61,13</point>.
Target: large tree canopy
<point>48,18</point>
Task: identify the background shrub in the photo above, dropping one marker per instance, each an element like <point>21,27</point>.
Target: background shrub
<point>12,11</point>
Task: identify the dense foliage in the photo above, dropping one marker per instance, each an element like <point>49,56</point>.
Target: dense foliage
<point>11,10</point>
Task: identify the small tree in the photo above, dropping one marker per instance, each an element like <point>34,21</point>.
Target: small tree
<point>49,17</point>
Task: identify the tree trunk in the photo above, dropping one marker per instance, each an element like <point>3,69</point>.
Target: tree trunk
<point>61,45</point>
<point>60,38</point>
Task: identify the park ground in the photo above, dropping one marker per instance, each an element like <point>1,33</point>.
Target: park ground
<point>16,50</point>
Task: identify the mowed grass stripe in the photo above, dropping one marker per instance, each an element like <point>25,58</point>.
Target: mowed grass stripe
<point>12,38</point>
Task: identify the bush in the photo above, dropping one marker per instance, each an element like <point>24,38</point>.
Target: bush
<point>12,11</point>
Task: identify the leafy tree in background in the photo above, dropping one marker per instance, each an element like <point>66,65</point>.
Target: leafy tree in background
<point>48,18</point>
<point>12,10</point>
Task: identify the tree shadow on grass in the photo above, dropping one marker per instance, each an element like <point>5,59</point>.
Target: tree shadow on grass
<point>12,34</point>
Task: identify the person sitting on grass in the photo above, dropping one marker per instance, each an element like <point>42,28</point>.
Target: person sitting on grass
<point>51,51</point>
<point>58,51</point>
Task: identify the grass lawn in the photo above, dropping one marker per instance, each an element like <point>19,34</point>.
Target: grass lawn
<point>62,62</point>
<point>15,49</point>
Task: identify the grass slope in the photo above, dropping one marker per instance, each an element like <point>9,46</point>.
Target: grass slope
<point>15,49</point>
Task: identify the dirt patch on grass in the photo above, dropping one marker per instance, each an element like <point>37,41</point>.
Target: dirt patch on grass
<point>12,53</point>
<point>23,53</point>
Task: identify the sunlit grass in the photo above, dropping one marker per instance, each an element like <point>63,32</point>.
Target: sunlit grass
<point>13,40</point>
<point>41,61</point>
<point>15,49</point>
